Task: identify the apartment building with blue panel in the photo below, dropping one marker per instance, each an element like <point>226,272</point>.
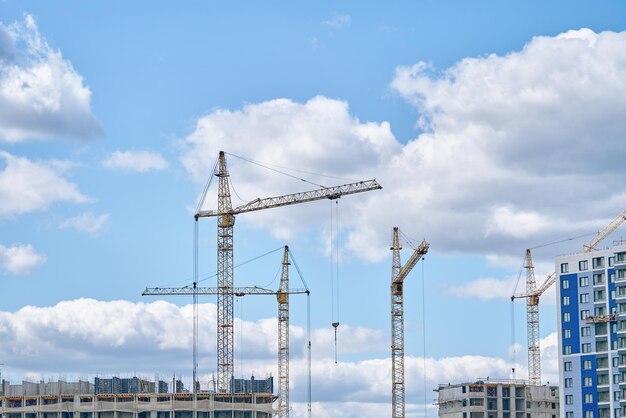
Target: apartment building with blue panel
<point>591,289</point>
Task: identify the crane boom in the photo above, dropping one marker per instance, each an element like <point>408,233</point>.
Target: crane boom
<point>237,291</point>
<point>225,214</point>
<point>591,245</point>
<point>398,274</point>
<point>333,192</point>
<point>412,261</point>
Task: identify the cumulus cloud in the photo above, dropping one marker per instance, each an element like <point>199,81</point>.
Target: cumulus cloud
<point>485,288</point>
<point>140,161</point>
<point>30,186</point>
<point>87,222</point>
<point>41,94</point>
<point>507,143</point>
<point>20,259</point>
<point>87,336</point>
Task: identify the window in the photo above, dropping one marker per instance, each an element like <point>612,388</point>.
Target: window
<point>602,363</point>
<point>567,366</point>
<point>586,364</point>
<point>569,414</point>
<point>586,347</point>
<point>600,328</point>
<point>621,307</point>
<point>585,331</point>
<point>620,257</point>
<point>583,281</point>
<point>565,284</point>
<point>612,277</point>
<point>598,278</point>
<point>615,379</point>
<point>616,396</point>
<point>603,379</point>
<point>615,361</point>
<point>569,382</point>
<point>564,268</point>
<point>569,399</point>
<point>588,398</point>
<point>566,317</point>
<point>599,311</point>
<point>597,262</point>
<point>567,349</point>
<point>602,345</point>
<point>588,414</point>
<point>611,261</point>
<point>584,314</point>
<point>584,298</point>
<point>565,300</point>
<point>598,296</point>
<point>587,382</point>
<point>583,265</point>
<point>567,333</point>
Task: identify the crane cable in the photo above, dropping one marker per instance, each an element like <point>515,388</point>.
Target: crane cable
<point>195,305</point>
<point>308,326</point>
<point>334,270</point>
<point>424,332</point>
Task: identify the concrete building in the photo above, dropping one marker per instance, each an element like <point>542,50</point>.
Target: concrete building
<point>497,399</point>
<point>592,333</point>
<point>80,400</point>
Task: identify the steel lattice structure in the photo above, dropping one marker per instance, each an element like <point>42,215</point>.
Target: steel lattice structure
<point>398,274</point>
<point>283,338</point>
<point>532,323</point>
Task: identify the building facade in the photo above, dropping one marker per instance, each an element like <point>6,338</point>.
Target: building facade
<point>591,289</point>
<point>124,398</point>
<point>497,399</point>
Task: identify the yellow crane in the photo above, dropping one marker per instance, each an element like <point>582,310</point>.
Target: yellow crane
<point>225,214</point>
<point>533,294</point>
<point>398,274</point>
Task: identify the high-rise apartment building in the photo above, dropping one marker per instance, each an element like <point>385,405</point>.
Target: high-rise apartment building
<point>497,399</point>
<point>591,307</point>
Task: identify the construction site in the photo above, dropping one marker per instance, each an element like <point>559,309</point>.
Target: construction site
<point>268,397</point>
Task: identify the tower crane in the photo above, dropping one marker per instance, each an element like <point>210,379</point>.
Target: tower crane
<point>533,294</point>
<point>398,274</point>
<point>282,297</point>
<point>225,214</point>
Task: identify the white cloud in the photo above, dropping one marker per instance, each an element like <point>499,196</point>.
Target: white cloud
<point>86,336</point>
<point>30,186</point>
<point>87,222</point>
<point>41,94</point>
<point>508,143</point>
<point>20,259</point>
<point>338,21</point>
<point>140,161</point>
<point>485,288</point>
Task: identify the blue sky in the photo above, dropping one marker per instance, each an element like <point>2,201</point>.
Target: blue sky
<point>490,125</point>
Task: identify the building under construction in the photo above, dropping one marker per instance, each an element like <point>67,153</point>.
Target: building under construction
<point>497,399</point>
<point>134,398</point>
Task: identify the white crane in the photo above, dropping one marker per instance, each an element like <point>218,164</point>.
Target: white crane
<point>225,214</point>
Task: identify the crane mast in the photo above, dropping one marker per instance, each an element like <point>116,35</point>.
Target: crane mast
<point>532,323</point>
<point>283,338</point>
<point>225,214</point>
<point>225,262</point>
<point>398,274</point>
